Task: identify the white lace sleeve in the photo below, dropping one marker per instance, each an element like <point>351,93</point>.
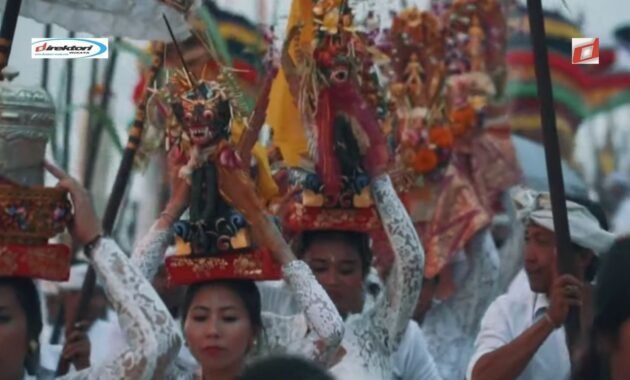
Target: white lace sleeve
<point>150,330</point>
<point>395,306</point>
<point>150,250</point>
<point>451,327</point>
<point>480,287</point>
<point>324,326</point>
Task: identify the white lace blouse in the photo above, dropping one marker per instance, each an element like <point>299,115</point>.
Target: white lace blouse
<point>322,330</point>
<point>150,330</point>
<point>374,335</point>
<point>451,326</point>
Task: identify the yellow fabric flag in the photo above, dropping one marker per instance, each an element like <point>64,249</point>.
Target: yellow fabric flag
<point>282,113</point>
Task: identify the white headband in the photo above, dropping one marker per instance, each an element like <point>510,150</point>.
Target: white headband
<point>532,206</point>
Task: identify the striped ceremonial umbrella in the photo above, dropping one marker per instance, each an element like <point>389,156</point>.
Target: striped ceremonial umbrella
<point>578,90</point>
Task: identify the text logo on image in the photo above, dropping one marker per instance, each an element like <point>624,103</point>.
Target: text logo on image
<point>69,48</point>
<point>585,51</point>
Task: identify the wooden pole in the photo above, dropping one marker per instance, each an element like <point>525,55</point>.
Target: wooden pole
<point>566,262</point>
<point>93,95</point>
<point>97,131</point>
<point>67,116</point>
<point>46,62</point>
<point>7,31</point>
<point>120,185</point>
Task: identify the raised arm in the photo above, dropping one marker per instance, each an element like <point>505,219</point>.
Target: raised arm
<point>395,306</point>
<point>149,252</point>
<point>151,332</point>
<point>317,332</point>
<point>324,324</point>
<point>500,353</point>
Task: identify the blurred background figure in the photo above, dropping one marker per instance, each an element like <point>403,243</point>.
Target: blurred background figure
<point>608,355</point>
<point>617,190</point>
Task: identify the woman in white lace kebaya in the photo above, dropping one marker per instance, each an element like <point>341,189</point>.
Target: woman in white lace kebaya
<point>341,260</point>
<point>130,294</point>
<point>373,330</point>
<point>222,320</point>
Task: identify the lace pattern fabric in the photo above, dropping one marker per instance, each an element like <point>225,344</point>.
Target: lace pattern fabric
<point>315,335</point>
<point>319,335</point>
<point>148,255</point>
<point>373,336</point>
<point>149,328</point>
<point>451,326</point>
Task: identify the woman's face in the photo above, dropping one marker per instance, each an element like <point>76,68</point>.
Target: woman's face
<point>620,360</point>
<point>13,329</point>
<point>337,266</point>
<point>218,329</point>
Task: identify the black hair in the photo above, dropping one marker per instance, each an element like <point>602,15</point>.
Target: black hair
<point>246,290</point>
<point>358,240</point>
<point>284,368</point>
<point>598,212</point>
<point>611,310</point>
<point>28,298</point>
<point>612,291</point>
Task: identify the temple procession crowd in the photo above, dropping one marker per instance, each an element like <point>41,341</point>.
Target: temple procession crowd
<point>382,232</point>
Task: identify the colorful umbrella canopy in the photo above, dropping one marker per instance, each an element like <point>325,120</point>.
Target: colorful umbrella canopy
<point>578,90</point>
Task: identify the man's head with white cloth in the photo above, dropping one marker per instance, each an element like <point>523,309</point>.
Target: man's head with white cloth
<point>588,239</point>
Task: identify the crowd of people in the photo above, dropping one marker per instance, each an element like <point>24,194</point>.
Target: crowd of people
<point>340,325</point>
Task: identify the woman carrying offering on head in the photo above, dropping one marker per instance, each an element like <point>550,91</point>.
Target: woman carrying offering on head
<point>130,294</point>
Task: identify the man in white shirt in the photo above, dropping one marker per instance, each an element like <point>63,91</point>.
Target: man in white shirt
<point>521,335</point>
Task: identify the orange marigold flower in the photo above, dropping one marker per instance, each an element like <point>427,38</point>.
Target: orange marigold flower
<point>441,136</point>
<point>463,119</point>
<point>425,160</point>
